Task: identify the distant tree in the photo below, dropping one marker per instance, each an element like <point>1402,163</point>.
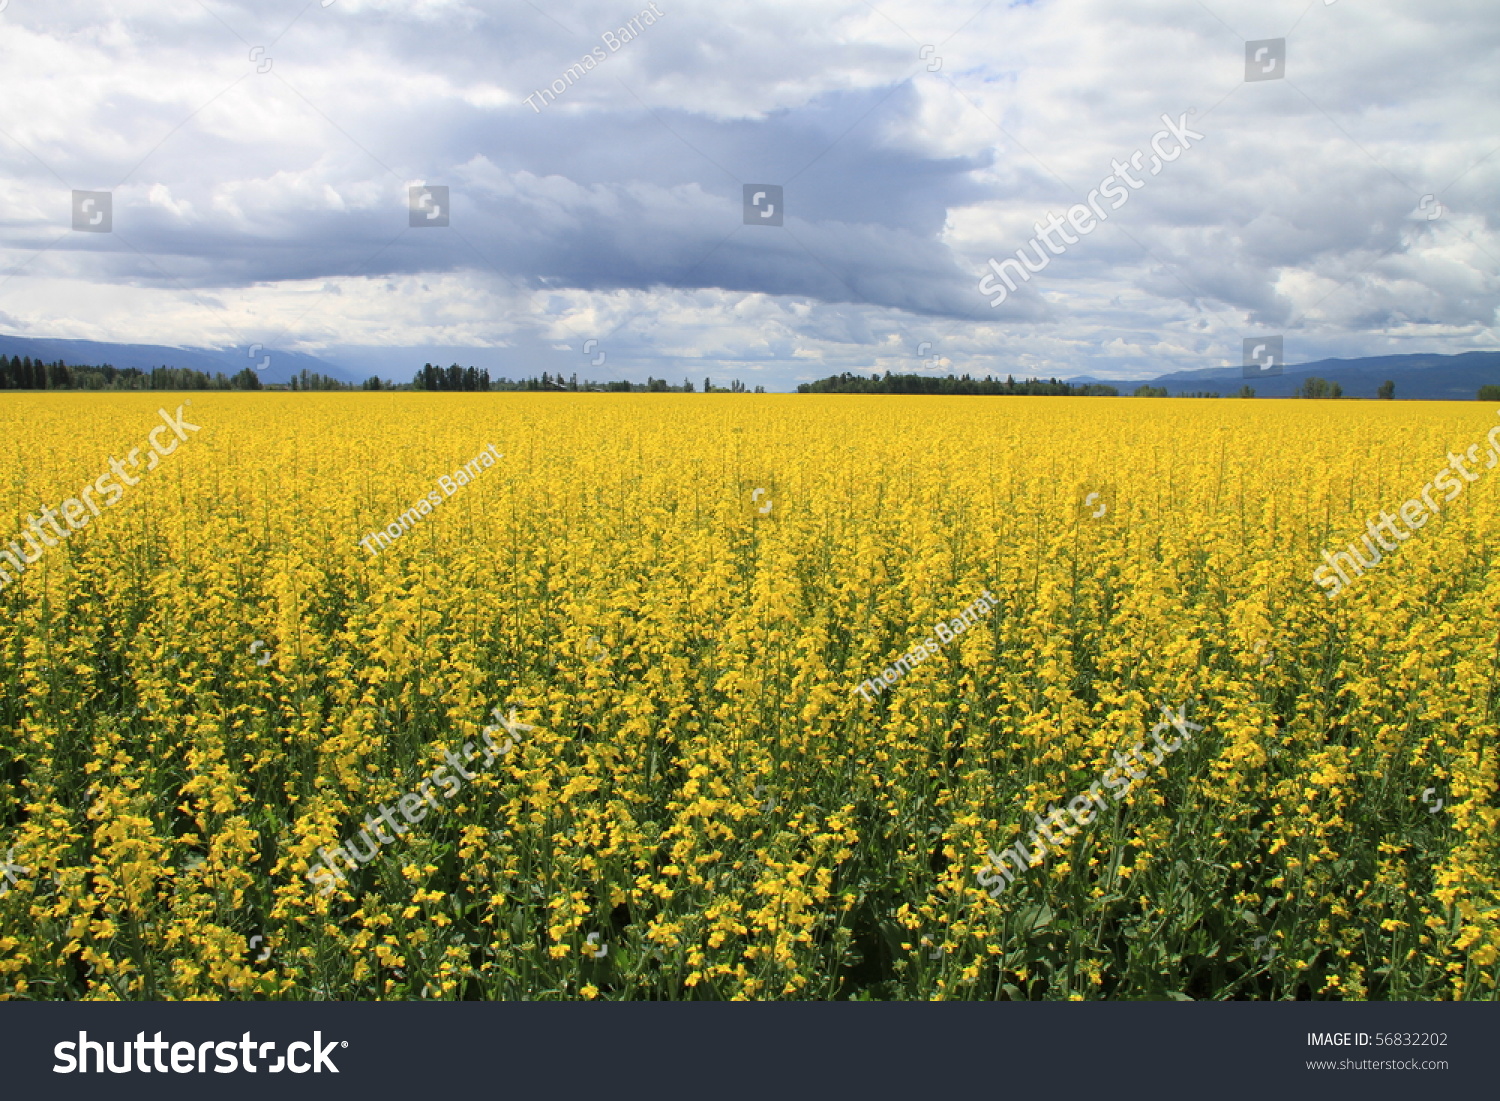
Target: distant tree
<point>1149,391</point>
<point>707,388</point>
<point>179,378</point>
<point>1314,387</point>
<point>245,379</point>
<point>1246,392</point>
<point>1387,390</point>
<point>1489,393</point>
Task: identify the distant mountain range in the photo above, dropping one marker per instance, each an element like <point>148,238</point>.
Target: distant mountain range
<point>92,353</point>
<point>1424,377</point>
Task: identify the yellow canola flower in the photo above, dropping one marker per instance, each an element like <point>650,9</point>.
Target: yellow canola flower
<point>702,784</point>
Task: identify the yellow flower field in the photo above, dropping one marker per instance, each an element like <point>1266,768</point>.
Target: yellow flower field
<point>212,680</point>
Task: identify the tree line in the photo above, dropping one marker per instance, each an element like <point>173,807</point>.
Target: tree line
<point>25,373</point>
<point>847,383</point>
<point>455,377</point>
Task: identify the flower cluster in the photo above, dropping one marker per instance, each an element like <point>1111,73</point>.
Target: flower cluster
<point>1085,806</point>
<point>413,805</point>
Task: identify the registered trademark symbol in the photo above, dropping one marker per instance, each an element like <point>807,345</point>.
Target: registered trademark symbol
<point>345,1043</point>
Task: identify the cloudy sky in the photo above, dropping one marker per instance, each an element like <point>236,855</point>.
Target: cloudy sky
<point>260,159</point>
